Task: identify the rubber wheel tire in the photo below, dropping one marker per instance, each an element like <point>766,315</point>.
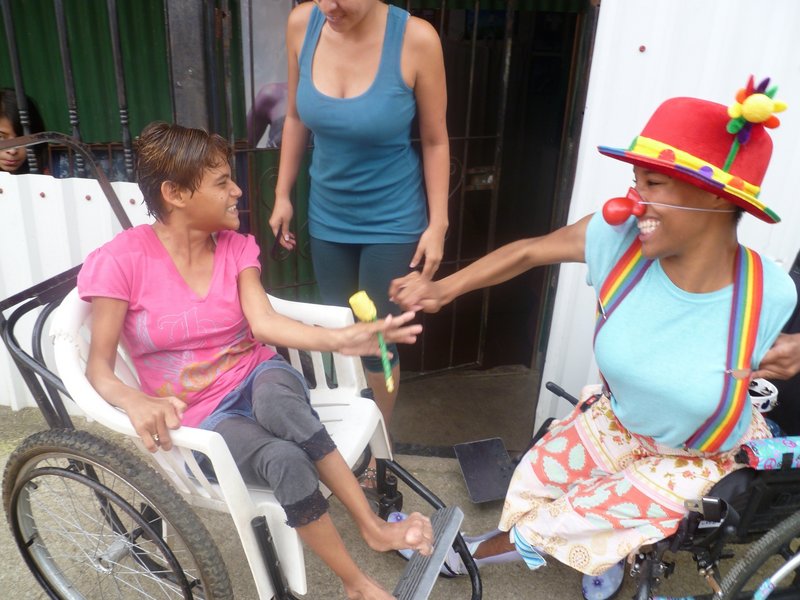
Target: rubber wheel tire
<point>89,515</point>
<point>762,550</point>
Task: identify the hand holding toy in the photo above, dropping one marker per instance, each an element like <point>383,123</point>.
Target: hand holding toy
<point>365,310</point>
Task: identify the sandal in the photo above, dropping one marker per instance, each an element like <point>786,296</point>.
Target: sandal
<point>605,586</point>
<point>369,478</point>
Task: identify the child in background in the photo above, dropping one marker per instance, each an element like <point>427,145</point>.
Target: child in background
<point>15,160</point>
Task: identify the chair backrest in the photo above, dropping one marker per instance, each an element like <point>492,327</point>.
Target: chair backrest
<point>354,422</point>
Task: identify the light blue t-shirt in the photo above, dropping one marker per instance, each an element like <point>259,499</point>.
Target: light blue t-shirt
<point>662,351</point>
<point>366,179</point>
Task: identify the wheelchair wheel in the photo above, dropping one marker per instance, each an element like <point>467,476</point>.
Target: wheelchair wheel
<point>92,520</point>
<point>771,566</point>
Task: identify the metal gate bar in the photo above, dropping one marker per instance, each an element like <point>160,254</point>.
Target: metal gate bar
<point>16,73</point>
<point>119,77</point>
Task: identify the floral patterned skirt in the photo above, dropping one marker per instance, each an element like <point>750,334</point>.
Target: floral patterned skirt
<point>590,492</point>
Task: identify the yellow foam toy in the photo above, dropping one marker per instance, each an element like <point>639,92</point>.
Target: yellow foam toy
<point>364,309</point>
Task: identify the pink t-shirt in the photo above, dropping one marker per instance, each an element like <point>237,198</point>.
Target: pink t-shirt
<point>198,349</point>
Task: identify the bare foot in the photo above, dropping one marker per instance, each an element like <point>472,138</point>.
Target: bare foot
<point>494,546</point>
<point>366,588</point>
<point>414,532</point>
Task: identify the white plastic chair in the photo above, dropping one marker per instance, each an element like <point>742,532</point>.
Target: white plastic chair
<point>353,422</point>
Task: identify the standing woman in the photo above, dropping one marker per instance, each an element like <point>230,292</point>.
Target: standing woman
<point>359,73</point>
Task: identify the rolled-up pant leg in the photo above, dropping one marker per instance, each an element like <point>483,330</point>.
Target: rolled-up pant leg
<point>279,448</point>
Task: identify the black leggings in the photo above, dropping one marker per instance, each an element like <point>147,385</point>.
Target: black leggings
<point>344,269</point>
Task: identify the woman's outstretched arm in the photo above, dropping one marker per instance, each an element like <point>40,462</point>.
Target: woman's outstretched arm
<point>416,292</point>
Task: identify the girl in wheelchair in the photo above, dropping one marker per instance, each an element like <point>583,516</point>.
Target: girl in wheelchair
<point>185,296</point>
<point>684,314</point>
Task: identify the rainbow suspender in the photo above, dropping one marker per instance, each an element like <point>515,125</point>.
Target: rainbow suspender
<point>748,288</point>
<point>748,291</point>
<point>630,268</point>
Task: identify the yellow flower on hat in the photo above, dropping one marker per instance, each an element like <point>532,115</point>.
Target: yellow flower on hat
<point>755,105</point>
<point>757,108</point>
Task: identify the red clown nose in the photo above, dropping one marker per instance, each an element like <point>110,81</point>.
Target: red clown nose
<point>617,210</point>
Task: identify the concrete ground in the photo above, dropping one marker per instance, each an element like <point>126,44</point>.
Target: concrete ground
<point>441,475</point>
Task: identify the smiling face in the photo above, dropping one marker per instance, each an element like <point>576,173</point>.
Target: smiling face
<point>344,15</point>
<point>10,160</point>
<point>665,231</point>
<point>212,206</point>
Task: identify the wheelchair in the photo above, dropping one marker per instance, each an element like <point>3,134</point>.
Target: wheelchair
<point>94,519</point>
<point>743,537</point>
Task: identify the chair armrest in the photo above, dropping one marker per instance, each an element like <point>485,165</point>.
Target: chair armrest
<point>349,371</point>
<point>322,315</point>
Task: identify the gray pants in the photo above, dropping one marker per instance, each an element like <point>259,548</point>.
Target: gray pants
<point>278,447</point>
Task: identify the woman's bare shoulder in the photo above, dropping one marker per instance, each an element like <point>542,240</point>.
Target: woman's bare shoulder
<point>298,21</point>
<point>421,35</point>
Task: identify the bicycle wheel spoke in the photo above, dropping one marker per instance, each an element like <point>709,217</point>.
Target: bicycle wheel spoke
<point>89,533</point>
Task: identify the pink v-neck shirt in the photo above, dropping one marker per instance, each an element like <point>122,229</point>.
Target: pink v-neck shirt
<point>197,349</point>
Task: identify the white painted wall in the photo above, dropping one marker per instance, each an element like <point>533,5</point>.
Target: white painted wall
<point>48,226</point>
<point>699,48</point>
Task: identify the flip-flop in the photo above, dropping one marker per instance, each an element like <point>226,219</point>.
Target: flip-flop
<point>605,586</point>
<point>368,480</point>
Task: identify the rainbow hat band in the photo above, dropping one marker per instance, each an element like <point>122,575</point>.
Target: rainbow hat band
<point>722,150</point>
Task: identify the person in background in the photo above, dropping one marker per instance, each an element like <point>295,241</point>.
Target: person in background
<point>675,292</point>
<point>360,72</point>
<point>186,296</point>
<point>15,160</point>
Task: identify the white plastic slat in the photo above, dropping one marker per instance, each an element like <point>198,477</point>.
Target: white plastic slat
<point>15,259</point>
<point>49,226</point>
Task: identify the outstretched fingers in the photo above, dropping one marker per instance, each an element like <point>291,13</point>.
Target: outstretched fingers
<point>395,329</point>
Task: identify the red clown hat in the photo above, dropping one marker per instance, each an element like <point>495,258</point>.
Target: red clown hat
<point>722,150</point>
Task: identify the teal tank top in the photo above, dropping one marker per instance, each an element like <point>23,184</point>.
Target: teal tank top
<point>366,179</point>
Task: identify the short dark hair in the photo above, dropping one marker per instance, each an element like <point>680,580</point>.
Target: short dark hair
<point>169,152</point>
